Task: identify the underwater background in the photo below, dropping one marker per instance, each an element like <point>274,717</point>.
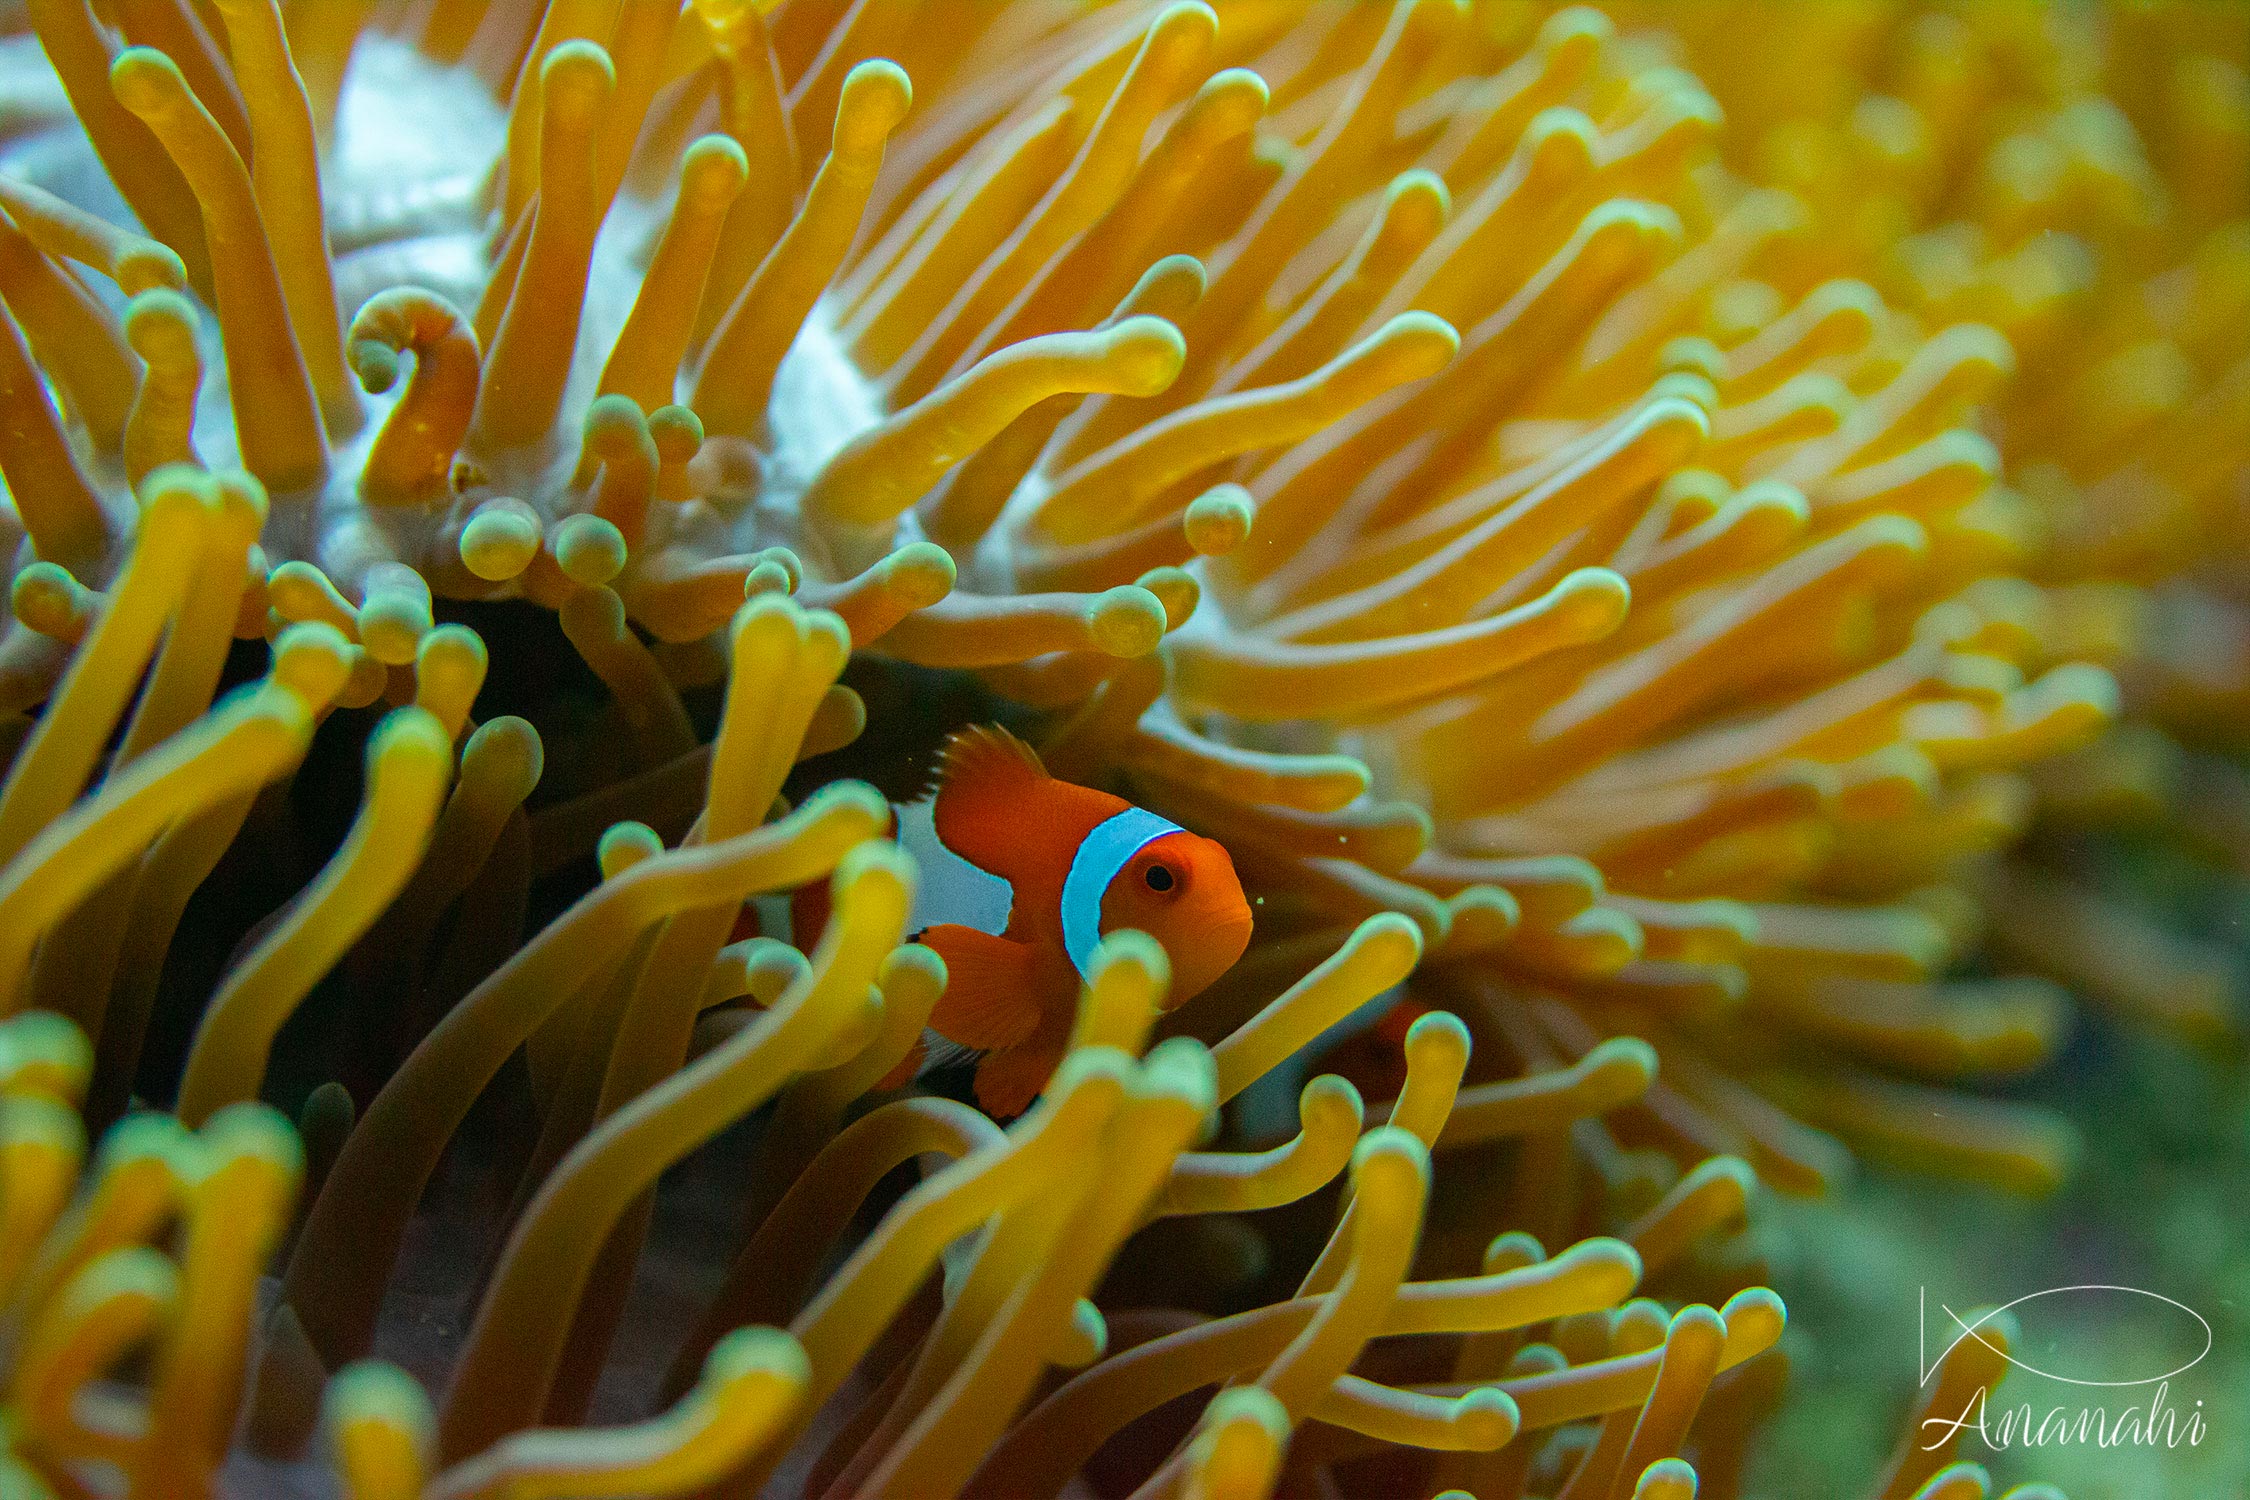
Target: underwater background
<point>630,622</point>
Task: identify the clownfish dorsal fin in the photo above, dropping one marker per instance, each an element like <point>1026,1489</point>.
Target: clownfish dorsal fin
<point>985,776</point>
<point>981,750</point>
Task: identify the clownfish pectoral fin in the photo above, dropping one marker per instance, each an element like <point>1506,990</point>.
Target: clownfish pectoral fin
<point>990,1001</point>
<point>985,779</point>
<point>1008,1081</point>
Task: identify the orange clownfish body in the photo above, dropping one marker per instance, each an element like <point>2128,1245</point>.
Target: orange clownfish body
<point>1079,863</point>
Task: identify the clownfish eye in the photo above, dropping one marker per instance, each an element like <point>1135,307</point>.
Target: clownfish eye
<point>1159,878</point>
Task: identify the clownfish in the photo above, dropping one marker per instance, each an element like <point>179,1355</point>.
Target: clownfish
<point>1077,863</point>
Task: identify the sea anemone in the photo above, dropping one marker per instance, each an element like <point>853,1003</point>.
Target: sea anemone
<point>151,1263</point>
<point>2079,176</point>
<point>1342,427</point>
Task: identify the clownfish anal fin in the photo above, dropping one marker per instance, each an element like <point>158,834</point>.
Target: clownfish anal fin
<point>989,1001</point>
<point>1008,1081</point>
<point>984,777</point>
<point>904,1071</point>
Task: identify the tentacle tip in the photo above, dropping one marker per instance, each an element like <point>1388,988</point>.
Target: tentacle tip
<point>1438,1036</point>
<point>757,1351</point>
<point>250,1130</point>
<point>589,549</point>
<point>375,363</point>
<point>1147,354</point>
<point>875,98</point>
<point>160,322</point>
<point>149,266</point>
<point>1219,520</point>
<point>1127,621</point>
<point>1576,25</point>
<point>1385,1152</point>
<point>1630,1057</point>
<point>1331,1092</point>
<point>1487,1417</point>
<point>1187,20</point>
<point>1129,949</point>
<point>678,433</point>
<point>145,80</point>
<point>373,1390</point>
<point>1760,1308</point>
<point>577,78</point>
<point>1391,941</point>
<point>714,169</point>
<point>1592,603</point>
<point>1424,342</point>
<point>920,573</point>
<point>920,959</point>
<point>409,734</point>
<point>499,543</point>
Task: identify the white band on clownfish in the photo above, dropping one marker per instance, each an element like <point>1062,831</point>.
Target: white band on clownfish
<point>1101,855</point>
